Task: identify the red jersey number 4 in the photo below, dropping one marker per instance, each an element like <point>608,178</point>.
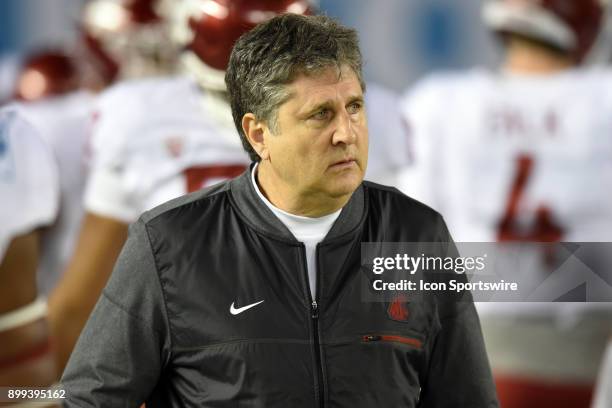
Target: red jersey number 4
<point>543,228</point>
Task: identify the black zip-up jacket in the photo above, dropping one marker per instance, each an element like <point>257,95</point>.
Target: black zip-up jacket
<point>172,327</point>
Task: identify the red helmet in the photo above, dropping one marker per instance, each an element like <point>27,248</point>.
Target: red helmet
<point>208,29</point>
<point>570,25</point>
<point>45,74</point>
<point>126,38</point>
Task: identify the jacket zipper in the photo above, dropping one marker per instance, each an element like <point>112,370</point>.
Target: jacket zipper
<point>314,317</point>
<point>416,343</point>
<point>314,307</point>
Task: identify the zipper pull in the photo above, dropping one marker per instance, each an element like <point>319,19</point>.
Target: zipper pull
<point>314,308</point>
<point>370,337</point>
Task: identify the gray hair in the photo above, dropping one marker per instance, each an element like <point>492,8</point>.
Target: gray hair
<point>267,58</point>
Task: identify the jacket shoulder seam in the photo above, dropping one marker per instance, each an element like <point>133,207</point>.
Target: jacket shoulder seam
<point>161,286</point>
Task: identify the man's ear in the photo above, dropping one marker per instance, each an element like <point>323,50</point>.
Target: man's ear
<point>254,131</point>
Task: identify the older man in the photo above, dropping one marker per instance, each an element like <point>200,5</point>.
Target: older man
<point>249,293</point>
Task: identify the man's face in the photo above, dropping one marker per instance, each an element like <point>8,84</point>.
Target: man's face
<point>320,147</point>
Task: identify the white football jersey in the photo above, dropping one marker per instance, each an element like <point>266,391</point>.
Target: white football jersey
<point>65,123</point>
<point>156,139</point>
<point>505,157</point>
<point>388,142</point>
<point>28,178</point>
<point>509,157</point>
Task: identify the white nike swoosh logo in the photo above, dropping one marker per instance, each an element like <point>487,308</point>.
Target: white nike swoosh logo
<point>239,310</point>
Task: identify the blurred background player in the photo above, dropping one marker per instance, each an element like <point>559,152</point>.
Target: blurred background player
<point>30,198</point>
<point>51,95</point>
<point>56,92</point>
<point>524,154</point>
<point>57,89</point>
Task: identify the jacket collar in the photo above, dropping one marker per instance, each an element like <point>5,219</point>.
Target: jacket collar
<point>247,201</point>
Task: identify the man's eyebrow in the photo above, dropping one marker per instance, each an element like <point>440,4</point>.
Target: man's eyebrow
<point>356,98</point>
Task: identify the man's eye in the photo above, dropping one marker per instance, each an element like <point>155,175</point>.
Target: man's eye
<point>320,115</point>
<point>354,108</point>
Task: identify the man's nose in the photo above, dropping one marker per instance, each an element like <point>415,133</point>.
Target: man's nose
<point>344,132</point>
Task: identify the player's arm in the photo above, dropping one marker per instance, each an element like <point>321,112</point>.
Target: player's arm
<point>26,357</point>
<point>98,246</point>
<point>18,272</point>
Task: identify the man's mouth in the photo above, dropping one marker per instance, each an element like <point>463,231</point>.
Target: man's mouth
<point>344,163</point>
